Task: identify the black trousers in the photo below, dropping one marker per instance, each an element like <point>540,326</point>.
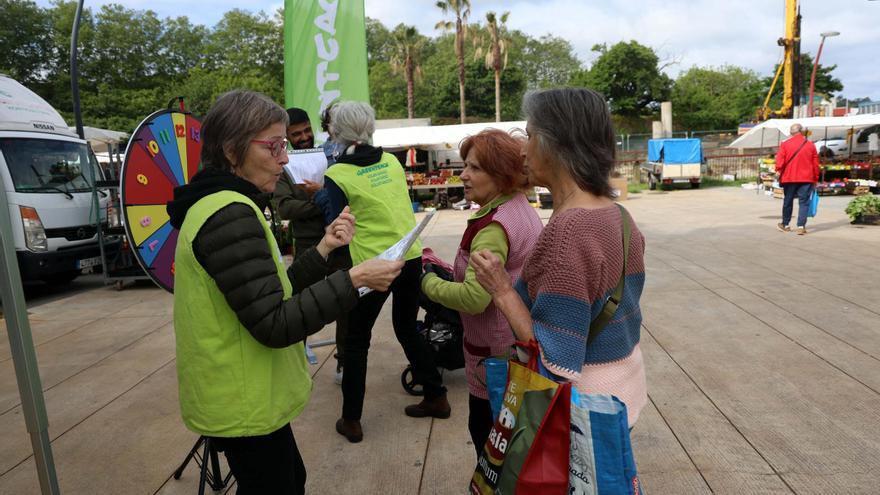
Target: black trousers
<point>265,465</point>
<point>340,259</point>
<point>480,421</point>
<point>404,311</point>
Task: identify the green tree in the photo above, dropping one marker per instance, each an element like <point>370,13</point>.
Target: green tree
<point>385,91</point>
<point>826,83</point>
<point>24,40</point>
<point>548,61</point>
<point>716,98</point>
<point>203,85</point>
<point>126,49</point>
<point>479,90</point>
<point>56,87</point>
<point>380,45</point>
<point>461,9</point>
<point>247,45</point>
<point>496,55</point>
<point>407,57</point>
<point>628,76</point>
<point>182,45</point>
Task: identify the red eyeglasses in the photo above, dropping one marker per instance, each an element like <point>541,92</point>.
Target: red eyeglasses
<point>276,146</point>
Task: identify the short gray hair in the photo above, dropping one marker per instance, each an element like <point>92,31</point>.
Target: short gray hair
<point>352,122</point>
<point>573,125</point>
<point>795,128</point>
<point>234,119</point>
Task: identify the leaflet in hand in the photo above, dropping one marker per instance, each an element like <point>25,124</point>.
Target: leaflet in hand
<point>309,164</point>
<point>401,247</point>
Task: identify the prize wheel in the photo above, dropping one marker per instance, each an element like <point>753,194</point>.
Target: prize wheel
<point>162,154</point>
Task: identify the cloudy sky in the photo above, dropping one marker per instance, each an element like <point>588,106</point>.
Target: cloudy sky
<point>692,32</point>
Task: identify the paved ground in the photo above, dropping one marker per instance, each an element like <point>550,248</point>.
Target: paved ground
<point>762,352</point>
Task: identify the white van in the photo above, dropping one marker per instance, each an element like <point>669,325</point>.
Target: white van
<point>45,169</point>
<point>857,144</point>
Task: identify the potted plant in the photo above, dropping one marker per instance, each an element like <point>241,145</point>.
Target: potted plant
<point>864,209</point>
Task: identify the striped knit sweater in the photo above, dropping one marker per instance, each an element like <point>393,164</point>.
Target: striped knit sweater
<point>573,268</point>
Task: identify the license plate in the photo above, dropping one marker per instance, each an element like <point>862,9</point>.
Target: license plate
<point>88,262</point>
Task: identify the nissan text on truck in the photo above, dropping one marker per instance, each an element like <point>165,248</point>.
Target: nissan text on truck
<point>47,172</point>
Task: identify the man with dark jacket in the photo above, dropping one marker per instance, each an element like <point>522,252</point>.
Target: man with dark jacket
<point>797,164</point>
<point>294,201</point>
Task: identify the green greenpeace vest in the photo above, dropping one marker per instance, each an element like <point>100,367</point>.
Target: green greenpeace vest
<point>381,206</point>
<point>230,385</point>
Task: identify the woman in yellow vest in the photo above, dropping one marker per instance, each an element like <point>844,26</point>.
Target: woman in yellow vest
<point>239,317</point>
<point>372,183</point>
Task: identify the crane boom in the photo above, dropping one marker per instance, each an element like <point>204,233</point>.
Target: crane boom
<point>790,66</point>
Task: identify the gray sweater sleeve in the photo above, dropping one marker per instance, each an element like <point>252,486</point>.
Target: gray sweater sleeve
<point>232,248</point>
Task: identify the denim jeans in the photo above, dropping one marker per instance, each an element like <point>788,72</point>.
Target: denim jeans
<point>802,190</point>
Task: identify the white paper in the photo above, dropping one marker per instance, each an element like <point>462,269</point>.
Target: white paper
<point>305,165</point>
<point>400,248</point>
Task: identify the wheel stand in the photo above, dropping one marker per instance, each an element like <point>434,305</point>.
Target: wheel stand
<point>213,477</point>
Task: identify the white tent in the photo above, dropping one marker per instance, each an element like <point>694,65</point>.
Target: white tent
<point>102,139</point>
<point>435,138</point>
<point>772,132</point>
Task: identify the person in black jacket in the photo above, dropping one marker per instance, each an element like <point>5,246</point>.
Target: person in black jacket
<point>239,316</point>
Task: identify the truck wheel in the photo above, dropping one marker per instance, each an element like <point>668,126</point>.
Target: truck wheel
<point>695,185</point>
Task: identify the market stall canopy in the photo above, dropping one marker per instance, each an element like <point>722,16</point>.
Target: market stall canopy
<point>395,123</point>
<point>772,132</point>
<point>101,139</point>
<point>439,137</point>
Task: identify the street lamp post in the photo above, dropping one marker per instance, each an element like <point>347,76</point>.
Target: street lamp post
<point>826,34</point>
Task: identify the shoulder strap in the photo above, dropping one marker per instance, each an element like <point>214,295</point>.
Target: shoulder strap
<point>474,227</point>
<point>795,153</point>
<point>613,301</point>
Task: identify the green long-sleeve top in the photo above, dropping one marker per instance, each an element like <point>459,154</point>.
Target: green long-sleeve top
<point>468,296</point>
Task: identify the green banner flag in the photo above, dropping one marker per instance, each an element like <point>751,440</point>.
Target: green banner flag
<point>325,54</point>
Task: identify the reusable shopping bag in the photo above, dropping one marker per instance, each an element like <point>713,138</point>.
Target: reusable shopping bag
<point>601,460</point>
<point>814,204</point>
<point>538,455</point>
<point>521,379</point>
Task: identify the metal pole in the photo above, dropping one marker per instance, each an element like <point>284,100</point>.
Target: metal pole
<point>74,71</point>
<point>813,78</point>
<point>24,358</point>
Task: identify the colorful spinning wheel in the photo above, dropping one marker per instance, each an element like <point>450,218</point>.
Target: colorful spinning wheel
<point>162,154</point>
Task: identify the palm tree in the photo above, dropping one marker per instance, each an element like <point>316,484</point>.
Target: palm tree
<point>496,57</point>
<point>462,9</point>
<point>408,45</point>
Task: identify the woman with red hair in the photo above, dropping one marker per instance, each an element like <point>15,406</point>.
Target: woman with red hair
<point>508,226</point>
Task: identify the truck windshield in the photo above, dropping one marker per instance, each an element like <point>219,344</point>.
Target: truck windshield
<point>48,165</point>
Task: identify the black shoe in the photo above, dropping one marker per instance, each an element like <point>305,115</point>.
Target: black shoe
<point>350,429</point>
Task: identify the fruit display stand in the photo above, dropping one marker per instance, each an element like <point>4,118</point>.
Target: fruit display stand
<point>439,181</point>
<point>853,177</point>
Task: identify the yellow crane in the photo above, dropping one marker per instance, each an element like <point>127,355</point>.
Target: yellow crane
<point>790,66</point>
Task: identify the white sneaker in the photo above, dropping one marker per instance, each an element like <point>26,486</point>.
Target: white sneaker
<point>338,378</point>
<point>461,205</point>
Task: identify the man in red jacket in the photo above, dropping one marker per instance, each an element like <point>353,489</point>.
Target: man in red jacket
<point>797,164</point>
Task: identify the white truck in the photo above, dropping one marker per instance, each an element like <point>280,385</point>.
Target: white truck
<point>48,173</point>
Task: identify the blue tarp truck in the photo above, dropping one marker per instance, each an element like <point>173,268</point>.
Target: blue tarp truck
<point>672,161</point>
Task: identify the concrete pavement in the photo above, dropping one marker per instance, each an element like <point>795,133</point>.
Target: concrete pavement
<point>762,354</point>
